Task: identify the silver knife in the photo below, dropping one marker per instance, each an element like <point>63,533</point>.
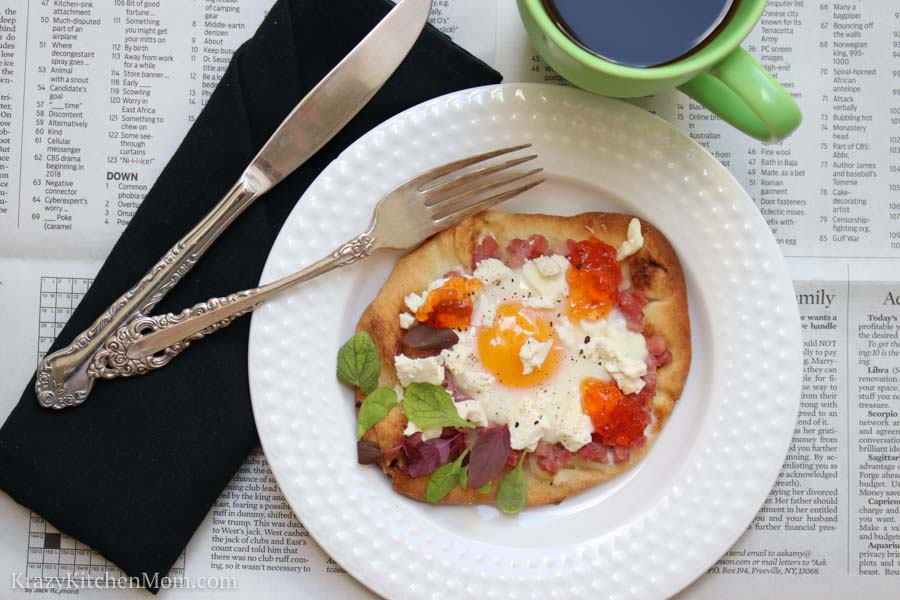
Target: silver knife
<point>65,377</point>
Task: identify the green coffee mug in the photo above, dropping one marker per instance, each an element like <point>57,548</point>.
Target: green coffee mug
<point>721,75</point>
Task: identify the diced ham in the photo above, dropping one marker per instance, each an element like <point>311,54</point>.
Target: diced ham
<point>552,457</point>
<point>620,454</point>
<point>663,358</point>
<point>560,247</point>
<point>515,253</point>
<point>650,380</point>
<point>512,459</point>
<point>657,356</point>
<point>632,306</point>
<point>647,392</point>
<point>543,448</point>
<point>660,356</point>
<point>486,248</point>
<point>656,345</point>
<point>594,452</point>
<point>538,246</point>
<point>519,250</point>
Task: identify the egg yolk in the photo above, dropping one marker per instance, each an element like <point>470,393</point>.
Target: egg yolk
<point>618,420</point>
<point>594,279</point>
<point>450,306</point>
<point>499,345</point>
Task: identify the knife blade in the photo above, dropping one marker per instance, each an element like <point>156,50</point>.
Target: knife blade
<point>340,95</point>
<point>66,377</point>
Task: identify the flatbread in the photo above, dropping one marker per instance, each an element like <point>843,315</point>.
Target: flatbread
<point>654,270</point>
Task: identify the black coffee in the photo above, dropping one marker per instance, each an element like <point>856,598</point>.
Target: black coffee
<point>640,33</point>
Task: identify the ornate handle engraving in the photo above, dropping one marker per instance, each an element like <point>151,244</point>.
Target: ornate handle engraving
<point>356,249</point>
<point>112,361</point>
<point>54,394</point>
<point>62,377</point>
<point>51,392</point>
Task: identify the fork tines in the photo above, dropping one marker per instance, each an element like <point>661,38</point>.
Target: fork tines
<point>439,184</point>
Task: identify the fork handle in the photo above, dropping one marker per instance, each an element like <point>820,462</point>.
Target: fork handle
<point>148,343</point>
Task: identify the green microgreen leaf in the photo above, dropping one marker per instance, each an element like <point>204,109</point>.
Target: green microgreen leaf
<point>430,406</point>
<point>358,363</point>
<point>374,408</point>
<point>443,479</point>
<point>513,492</point>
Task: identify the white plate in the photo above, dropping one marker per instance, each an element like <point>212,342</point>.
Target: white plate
<point>645,534</point>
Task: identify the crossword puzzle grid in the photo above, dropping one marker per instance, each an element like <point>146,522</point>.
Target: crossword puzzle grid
<point>59,297</point>
<point>51,553</point>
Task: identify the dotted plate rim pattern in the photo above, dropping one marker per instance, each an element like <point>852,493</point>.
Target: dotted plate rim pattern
<point>645,534</point>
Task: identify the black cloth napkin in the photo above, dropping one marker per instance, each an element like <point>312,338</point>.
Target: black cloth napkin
<point>134,470</point>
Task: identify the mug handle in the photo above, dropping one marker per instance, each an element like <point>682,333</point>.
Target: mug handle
<point>745,95</point>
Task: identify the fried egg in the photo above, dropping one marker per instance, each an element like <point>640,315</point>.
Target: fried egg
<point>524,357</point>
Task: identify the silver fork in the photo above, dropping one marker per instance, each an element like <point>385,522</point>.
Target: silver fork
<point>404,218</point>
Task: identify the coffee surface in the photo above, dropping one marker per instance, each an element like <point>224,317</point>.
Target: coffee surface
<point>639,33</point>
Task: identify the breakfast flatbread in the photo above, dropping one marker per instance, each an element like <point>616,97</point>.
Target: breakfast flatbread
<point>627,406</point>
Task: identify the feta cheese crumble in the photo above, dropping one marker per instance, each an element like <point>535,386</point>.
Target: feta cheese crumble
<point>546,275</point>
<point>620,351</point>
<point>435,285</point>
<point>424,370</point>
<point>414,302</point>
<point>566,332</point>
<point>427,434</point>
<point>634,240</point>
<point>550,266</point>
<point>472,411</point>
<point>549,415</point>
<point>462,360</point>
<point>533,354</point>
<point>492,271</point>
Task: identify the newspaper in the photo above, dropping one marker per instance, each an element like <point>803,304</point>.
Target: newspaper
<point>126,78</point>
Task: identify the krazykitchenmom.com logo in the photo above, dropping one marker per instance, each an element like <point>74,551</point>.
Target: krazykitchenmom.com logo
<point>146,581</point>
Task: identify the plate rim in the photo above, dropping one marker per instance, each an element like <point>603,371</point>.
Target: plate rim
<point>782,272</point>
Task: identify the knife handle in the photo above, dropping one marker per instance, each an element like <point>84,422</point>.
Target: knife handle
<point>63,377</point>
